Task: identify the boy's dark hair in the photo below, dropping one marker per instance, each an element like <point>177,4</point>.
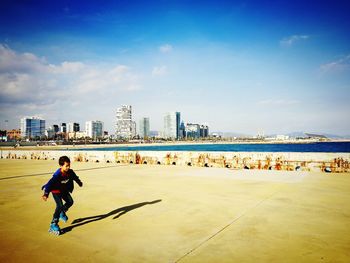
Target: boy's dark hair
<point>62,160</point>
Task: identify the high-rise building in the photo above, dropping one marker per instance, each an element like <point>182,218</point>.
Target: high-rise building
<point>76,127</point>
<point>172,125</point>
<point>125,127</point>
<point>63,127</point>
<point>55,128</point>
<point>182,130</point>
<point>192,130</point>
<point>70,127</point>
<point>204,131</point>
<point>32,127</point>
<point>196,131</point>
<point>94,129</point>
<point>50,133</point>
<point>144,131</point>
<point>73,127</point>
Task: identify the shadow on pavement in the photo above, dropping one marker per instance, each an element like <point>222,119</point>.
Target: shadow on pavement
<point>117,212</point>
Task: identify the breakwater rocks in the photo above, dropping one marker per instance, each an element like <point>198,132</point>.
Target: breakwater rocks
<point>326,162</point>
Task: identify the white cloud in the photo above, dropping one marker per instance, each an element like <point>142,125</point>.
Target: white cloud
<point>24,78</point>
<point>10,61</point>
<point>159,71</point>
<point>107,80</point>
<point>165,48</point>
<point>27,80</point>
<point>67,67</point>
<point>291,40</point>
<point>339,65</point>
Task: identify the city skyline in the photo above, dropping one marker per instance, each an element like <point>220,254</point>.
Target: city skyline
<point>244,66</point>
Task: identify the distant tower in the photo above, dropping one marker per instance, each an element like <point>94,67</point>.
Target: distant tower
<point>204,131</point>
<point>76,127</point>
<point>32,127</point>
<point>144,128</point>
<point>63,127</point>
<point>182,130</point>
<point>172,125</point>
<point>73,127</point>
<point>192,130</point>
<point>55,128</point>
<point>94,129</point>
<point>125,127</point>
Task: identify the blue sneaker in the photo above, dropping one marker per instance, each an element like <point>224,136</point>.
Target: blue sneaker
<point>54,229</point>
<point>63,217</point>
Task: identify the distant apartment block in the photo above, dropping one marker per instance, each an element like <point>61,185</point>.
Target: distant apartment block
<point>204,131</point>
<point>182,130</point>
<point>50,133</point>
<point>94,129</point>
<point>63,127</point>
<point>172,125</point>
<point>32,127</point>
<point>125,127</point>
<point>196,131</point>
<point>73,127</point>
<point>55,128</point>
<point>144,130</point>
<point>192,130</point>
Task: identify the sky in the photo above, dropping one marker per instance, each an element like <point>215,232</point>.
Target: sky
<point>250,67</point>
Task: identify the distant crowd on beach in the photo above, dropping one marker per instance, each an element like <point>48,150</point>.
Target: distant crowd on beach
<point>237,161</point>
<point>338,165</point>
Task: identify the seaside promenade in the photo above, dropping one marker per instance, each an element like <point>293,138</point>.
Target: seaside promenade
<point>150,213</point>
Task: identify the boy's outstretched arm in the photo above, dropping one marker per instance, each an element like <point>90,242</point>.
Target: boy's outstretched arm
<point>47,187</point>
<point>45,196</point>
<point>76,179</point>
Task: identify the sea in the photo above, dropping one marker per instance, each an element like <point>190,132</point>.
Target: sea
<point>326,147</point>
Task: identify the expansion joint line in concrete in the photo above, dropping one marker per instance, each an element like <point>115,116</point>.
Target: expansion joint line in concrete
<point>78,170</point>
<point>226,226</point>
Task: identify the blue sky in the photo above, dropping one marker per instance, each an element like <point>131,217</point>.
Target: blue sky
<point>240,66</point>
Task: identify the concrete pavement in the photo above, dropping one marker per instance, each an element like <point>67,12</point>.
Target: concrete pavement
<point>139,213</point>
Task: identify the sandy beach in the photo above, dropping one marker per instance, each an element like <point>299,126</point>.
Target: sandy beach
<point>135,213</point>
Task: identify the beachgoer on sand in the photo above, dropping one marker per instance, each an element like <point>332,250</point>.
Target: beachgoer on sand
<point>61,185</point>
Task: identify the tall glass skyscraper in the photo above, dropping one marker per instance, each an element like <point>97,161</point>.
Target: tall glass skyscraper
<point>32,127</point>
<point>144,128</point>
<point>172,125</point>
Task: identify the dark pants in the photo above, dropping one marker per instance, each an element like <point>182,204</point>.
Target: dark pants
<point>60,207</point>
